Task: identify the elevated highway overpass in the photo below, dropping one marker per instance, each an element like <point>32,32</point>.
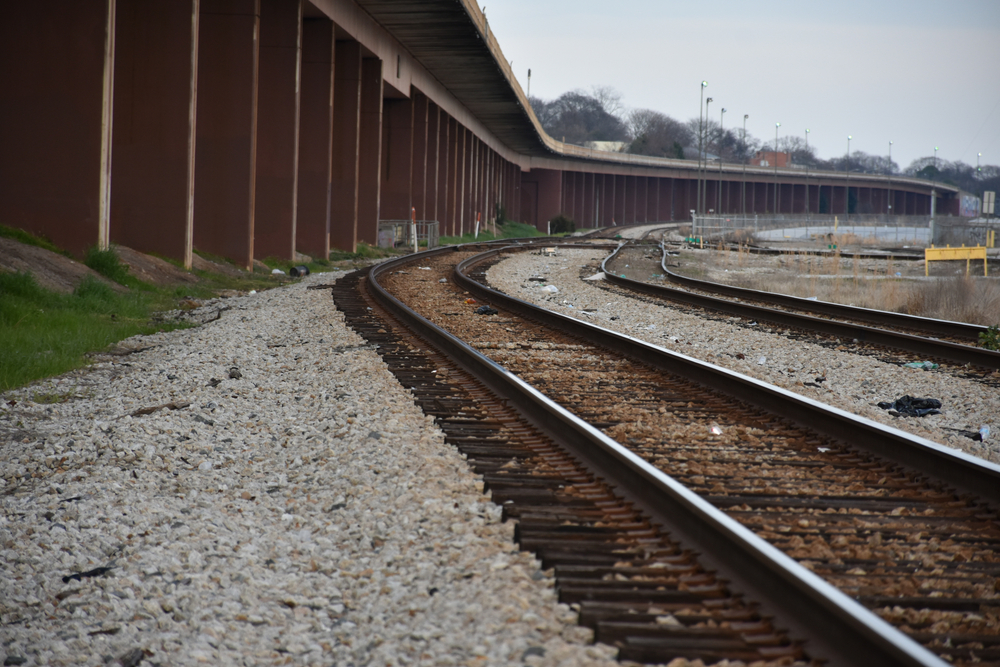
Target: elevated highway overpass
<point>257,128</point>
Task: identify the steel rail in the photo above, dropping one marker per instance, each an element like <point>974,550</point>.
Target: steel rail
<point>877,317</point>
<point>920,345</point>
<point>966,473</point>
<point>839,628</point>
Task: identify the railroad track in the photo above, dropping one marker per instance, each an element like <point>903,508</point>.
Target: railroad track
<point>838,321</point>
<point>920,554</point>
<point>944,329</point>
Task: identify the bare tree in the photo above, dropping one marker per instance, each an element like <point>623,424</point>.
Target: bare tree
<point>657,134</point>
<point>609,99</point>
<point>576,118</point>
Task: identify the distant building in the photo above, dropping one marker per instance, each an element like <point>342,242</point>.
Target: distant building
<point>610,146</point>
<point>770,158</point>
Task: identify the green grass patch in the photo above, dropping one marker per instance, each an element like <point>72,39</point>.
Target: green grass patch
<point>30,239</point>
<point>509,230</point>
<point>108,264</point>
<point>44,333</point>
<point>364,251</point>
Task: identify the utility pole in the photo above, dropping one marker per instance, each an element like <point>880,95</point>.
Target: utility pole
<point>701,134</point>
<point>718,206</point>
<point>776,126</point>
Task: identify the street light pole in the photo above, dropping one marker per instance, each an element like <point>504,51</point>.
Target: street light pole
<point>776,126</point>
<point>701,106</point>
<point>718,206</point>
<point>807,173</point>
<point>743,193</point>
<point>704,190</point>
<point>889,188</point>
<point>847,188</point>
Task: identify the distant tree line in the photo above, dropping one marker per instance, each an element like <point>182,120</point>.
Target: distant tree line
<point>578,117</point>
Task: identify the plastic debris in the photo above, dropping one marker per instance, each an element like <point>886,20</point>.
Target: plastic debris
<point>443,280</point>
<point>253,291</point>
<point>762,361</point>
<point>925,365</point>
<point>716,430</point>
<point>552,289</point>
<point>486,310</point>
<point>984,432</point>
<point>812,298</point>
<point>424,268</point>
<point>908,406</point>
<point>823,450</point>
<point>470,300</point>
<point>596,276</point>
<point>277,272</point>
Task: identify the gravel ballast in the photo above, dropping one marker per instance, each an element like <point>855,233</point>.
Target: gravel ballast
<point>851,382</point>
<point>258,490</point>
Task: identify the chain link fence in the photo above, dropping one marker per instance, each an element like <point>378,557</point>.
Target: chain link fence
<point>909,229</point>
<point>398,233</point>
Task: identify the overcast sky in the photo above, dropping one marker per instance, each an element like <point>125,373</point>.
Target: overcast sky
<point>919,73</point>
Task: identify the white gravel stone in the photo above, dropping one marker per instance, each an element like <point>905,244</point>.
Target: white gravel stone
<point>854,383</point>
<point>305,513</point>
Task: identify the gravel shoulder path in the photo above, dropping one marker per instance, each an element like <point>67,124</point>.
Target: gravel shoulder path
<point>852,382</point>
<point>258,490</point>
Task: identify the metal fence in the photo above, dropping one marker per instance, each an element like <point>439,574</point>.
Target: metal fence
<point>967,231</point>
<point>881,228</point>
<point>397,233</point>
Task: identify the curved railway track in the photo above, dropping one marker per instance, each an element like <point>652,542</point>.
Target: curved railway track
<point>839,321</point>
<point>902,526</point>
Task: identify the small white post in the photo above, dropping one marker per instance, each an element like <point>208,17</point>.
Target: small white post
<point>413,229</point>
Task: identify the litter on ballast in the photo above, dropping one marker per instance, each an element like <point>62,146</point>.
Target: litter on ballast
<point>596,276</point>
<point>552,289</point>
<point>908,406</point>
<point>924,365</point>
<point>277,272</point>
<point>486,310</point>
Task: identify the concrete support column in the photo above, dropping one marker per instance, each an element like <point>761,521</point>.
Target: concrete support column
<point>312,226</point>
<point>278,128</point>
<point>443,169</point>
<point>571,193</point>
<point>56,66</point>
<point>226,155</point>
<point>370,158</point>
<point>549,195</point>
<point>152,189</point>
<point>346,146</point>
<point>421,177</point>
<point>471,189</point>
<point>630,200</point>
<point>518,186</point>
<point>641,199</point>
<point>655,184</point>
<point>607,199</point>
<point>619,199</point>
<point>587,217</point>
<point>397,159</point>
<point>456,156</point>
<point>484,181</point>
